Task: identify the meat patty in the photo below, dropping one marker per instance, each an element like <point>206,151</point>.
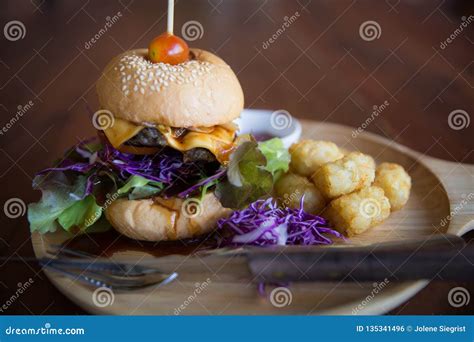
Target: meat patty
<point>151,137</point>
<point>198,153</point>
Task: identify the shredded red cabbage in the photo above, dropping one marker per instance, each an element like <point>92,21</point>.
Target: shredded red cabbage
<point>166,167</point>
<point>159,167</point>
<point>264,223</point>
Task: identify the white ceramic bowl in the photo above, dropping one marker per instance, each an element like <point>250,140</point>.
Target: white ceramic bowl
<point>267,124</point>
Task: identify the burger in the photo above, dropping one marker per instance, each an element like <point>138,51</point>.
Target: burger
<point>165,137</point>
<point>184,110</point>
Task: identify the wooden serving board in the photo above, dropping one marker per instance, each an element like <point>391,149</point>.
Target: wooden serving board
<point>441,201</point>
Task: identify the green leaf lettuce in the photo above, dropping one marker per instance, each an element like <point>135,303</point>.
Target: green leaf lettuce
<point>251,172</point>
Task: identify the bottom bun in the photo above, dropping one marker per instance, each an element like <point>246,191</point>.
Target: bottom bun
<point>160,219</point>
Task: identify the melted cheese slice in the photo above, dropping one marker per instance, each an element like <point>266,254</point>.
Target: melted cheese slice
<point>218,139</point>
<point>121,131</point>
<point>219,142</point>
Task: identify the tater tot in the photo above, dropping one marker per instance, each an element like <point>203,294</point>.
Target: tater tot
<point>395,182</point>
<point>308,155</point>
<point>355,171</point>
<point>291,187</point>
<point>355,213</point>
<point>366,165</point>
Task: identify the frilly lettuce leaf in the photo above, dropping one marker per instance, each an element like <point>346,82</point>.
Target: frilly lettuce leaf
<point>81,215</point>
<point>251,172</point>
<point>138,187</point>
<point>277,156</point>
<point>64,204</point>
<point>58,193</point>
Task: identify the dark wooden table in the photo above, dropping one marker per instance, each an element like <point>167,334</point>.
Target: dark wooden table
<point>318,66</point>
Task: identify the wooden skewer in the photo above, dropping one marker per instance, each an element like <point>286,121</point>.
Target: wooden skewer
<point>170,16</point>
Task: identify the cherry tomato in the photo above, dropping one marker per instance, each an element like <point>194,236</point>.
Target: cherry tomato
<point>167,48</point>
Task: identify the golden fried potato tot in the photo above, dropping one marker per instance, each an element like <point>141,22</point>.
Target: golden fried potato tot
<point>308,155</point>
<point>355,213</point>
<point>366,166</point>
<point>395,182</point>
<point>291,187</point>
<point>353,172</point>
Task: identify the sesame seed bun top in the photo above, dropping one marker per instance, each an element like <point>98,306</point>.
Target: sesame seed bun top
<point>203,91</point>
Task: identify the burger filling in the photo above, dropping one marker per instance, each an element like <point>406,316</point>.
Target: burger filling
<point>152,137</point>
<point>196,144</point>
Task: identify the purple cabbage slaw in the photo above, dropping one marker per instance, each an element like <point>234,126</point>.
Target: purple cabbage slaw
<point>264,223</point>
<point>165,167</point>
<point>159,168</point>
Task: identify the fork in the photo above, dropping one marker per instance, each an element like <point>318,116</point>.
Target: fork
<point>96,279</point>
<point>114,268</point>
<point>88,269</point>
<point>91,270</point>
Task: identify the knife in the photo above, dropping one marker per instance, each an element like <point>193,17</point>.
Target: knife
<point>444,256</point>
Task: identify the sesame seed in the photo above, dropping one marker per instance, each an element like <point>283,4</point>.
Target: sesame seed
<point>140,73</point>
